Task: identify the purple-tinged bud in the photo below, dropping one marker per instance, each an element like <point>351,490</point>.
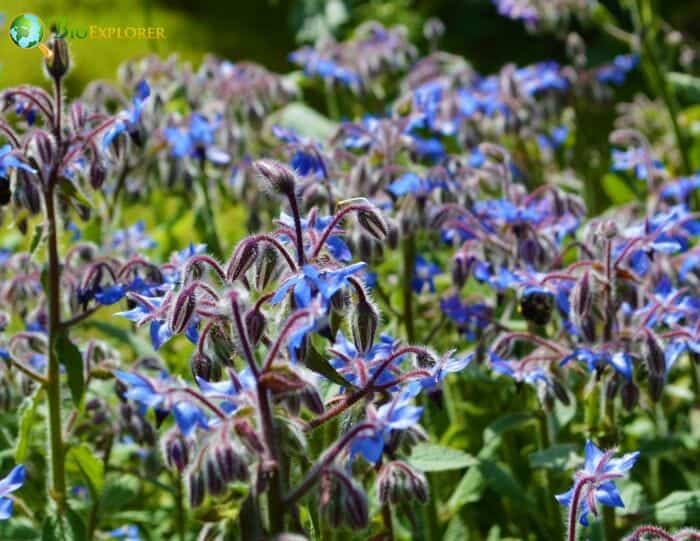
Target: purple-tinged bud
<point>98,174</point>
<point>255,322</point>
<point>365,320</point>
<point>356,509</point>
<point>242,259</point>
<point>231,463</point>
<point>373,223</point>
<point>611,387</point>
<point>461,267</point>
<point>182,311</point>
<point>204,367</point>
<point>196,488</point>
<point>5,192</point>
<point>653,353</point>
<point>267,265</point>
<point>630,395</point>
<point>214,479</point>
<point>26,192</point>
<point>176,450</point>
<point>312,399</point>
<point>280,177</point>
<point>397,481</point>
<point>45,146</point>
<point>582,297</point>
<point>58,63</point>
<point>248,436</point>
<point>656,386</point>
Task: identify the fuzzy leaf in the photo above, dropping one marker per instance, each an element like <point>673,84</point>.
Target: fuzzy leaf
<point>429,457</point>
<point>69,356</point>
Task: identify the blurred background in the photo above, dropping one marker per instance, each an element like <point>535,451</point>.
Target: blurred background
<point>265,31</point>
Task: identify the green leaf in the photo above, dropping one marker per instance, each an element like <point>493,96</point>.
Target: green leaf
<point>36,238</point>
<point>26,413</point>
<point>617,189</point>
<point>429,457</point>
<point>686,86</point>
<point>82,459</point>
<point>316,362</point>
<point>470,489</point>
<point>118,493</point>
<point>120,336</point>
<point>678,508</point>
<point>304,120</point>
<point>503,482</point>
<point>71,192</point>
<point>69,356</point>
<point>557,457</point>
<point>456,531</point>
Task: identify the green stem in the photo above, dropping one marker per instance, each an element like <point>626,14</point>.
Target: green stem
<point>608,518</point>
<point>408,248</point>
<point>657,78</point>
<point>212,237</point>
<point>57,489</point>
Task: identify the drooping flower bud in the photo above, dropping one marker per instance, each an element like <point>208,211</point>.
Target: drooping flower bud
<point>221,345</point>
<point>653,353</point>
<point>266,266</point>
<point>204,367</point>
<point>365,320</point>
<point>279,177</point>
<point>176,450</point>
<point>182,311</point>
<point>372,221</point>
<point>230,462</point>
<point>397,481</point>
<point>242,259</point>
<point>196,488</point>
<point>255,322</point>
<point>630,395</point>
<point>343,501</point>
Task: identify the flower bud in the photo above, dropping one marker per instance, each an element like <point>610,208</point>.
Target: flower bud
<point>630,395</point>
<point>98,173</point>
<point>242,259</point>
<point>230,463</point>
<point>45,146</point>
<point>656,386</point>
<point>653,353</point>
<point>195,485</point>
<point>266,266</point>
<point>182,311</point>
<point>280,178</point>
<point>255,322</point>
<point>214,479</point>
<point>204,367</point>
<point>221,345</point>
<point>59,62</point>
<point>365,320</point>
<point>372,221</point>
<point>397,481</point>
<point>176,450</point>
<point>343,501</point>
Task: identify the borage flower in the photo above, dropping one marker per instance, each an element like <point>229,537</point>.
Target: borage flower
<point>595,484</point>
<point>13,481</point>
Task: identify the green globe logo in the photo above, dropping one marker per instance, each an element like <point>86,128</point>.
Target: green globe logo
<point>26,31</point>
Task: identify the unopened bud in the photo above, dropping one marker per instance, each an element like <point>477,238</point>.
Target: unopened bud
<point>656,386</point>
<point>196,489</point>
<point>266,266</point>
<point>182,311</point>
<point>176,450</point>
<point>372,221</point>
<point>365,320</point>
<point>204,367</point>
<point>255,324</point>
<point>630,395</point>
<point>59,61</point>
<point>653,353</point>
<point>277,175</point>
<point>242,259</point>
